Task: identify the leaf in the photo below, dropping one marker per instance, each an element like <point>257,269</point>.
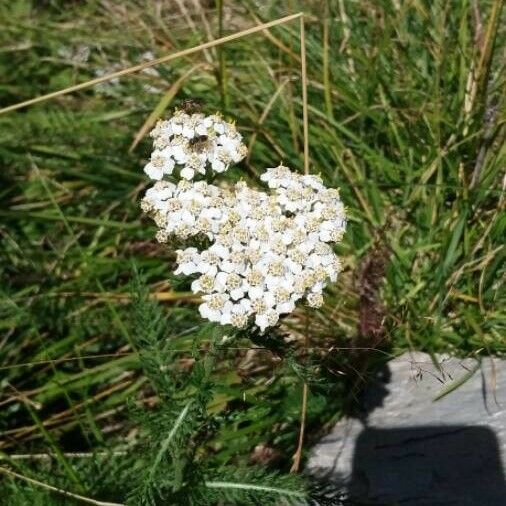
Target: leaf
<point>458,382</point>
<point>452,253</point>
<point>255,488</point>
<point>168,439</point>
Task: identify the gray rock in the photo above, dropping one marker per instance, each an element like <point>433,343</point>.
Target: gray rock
<point>413,448</point>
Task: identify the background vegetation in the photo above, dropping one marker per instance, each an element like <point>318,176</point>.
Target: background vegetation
<point>407,117</point>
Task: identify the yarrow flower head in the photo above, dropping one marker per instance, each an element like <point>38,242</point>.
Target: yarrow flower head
<point>267,251</point>
<point>194,143</point>
<point>187,209</point>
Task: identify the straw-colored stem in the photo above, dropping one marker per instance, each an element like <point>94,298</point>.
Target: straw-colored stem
<point>268,35</point>
<point>58,490</point>
<point>297,456</point>
<point>326,67</point>
<point>304,94</point>
<point>72,455</point>
<point>152,63</point>
<point>221,58</point>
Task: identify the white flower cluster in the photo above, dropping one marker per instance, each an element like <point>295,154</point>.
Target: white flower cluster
<point>195,143</point>
<point>267,250</point>
<point>187,209</point>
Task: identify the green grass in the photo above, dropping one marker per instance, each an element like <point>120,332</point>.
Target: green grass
<point>406,103</point>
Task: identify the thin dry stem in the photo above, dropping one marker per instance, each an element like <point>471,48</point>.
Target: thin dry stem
<point>298,454</point>
<point>275,40</point>
<point>304,94</point>
<point>326,68</point>
<point>72,455</point>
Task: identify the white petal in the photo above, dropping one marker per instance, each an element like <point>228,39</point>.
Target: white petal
<point>220,281</point>
<point>201,129</point>
<point>294,266</point>
<point>317,287</point>
<point>179,154</point>
<point>269,299</point>
<point>218,166</point>
<point>228,266</point>
<point>325,235</point>
<point>187,173</point>
<point>272,282</point>
<point>204,310</point>
<point>237,293</point>
<point>219,127</point>
<point>225,318</point>
<point>287,237</point>
<point>189,268</point>
<point>246,304</point>
<point>212,270</point>
<point>236,156</point>
<point>153,172</point>
<point>285,307</point>
<point>188,132</point>
<point>168,166</point>
<point>255,292</point>
<point>220,250</point>
<point>261,321</point>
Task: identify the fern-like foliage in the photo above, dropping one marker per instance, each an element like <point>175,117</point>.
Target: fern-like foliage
<point>103,476</point>
<point>254,486</point>
<point>175,470</point>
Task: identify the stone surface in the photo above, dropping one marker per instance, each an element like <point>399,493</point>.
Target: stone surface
<point>412,448</point>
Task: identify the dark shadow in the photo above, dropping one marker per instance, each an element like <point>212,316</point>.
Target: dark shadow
<point>374,395</point>
<point>436,466</point>
<point>443,465</point>
<point>448,465</point>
